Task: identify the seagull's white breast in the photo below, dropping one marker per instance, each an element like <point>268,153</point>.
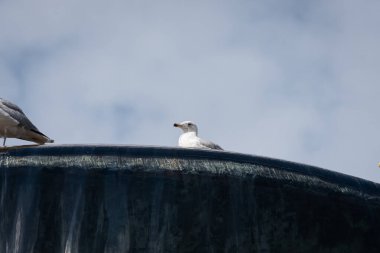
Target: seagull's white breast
<point>188,140</point>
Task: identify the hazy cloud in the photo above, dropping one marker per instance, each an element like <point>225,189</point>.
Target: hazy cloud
<point>293,79</point>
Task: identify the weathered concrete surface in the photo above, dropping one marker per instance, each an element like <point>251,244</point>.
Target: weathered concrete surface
<point>93,199</point>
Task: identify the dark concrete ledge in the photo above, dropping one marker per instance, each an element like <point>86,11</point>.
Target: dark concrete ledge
<point>97,198</point>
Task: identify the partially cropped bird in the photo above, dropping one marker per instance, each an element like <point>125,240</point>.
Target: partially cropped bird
<point>189,138</point>
<point>15,124</point>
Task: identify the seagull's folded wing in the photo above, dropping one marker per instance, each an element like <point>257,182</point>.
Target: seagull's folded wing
<point>209,144</point>
<point>17,114</point>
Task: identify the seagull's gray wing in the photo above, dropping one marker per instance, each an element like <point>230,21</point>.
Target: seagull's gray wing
<point>16,113</point>
<point>209,144</point>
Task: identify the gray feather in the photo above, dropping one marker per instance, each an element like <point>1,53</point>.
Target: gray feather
<point>209,144</point>
<point>16,113</point>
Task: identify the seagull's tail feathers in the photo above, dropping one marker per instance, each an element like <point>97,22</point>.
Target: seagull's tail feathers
<point>37,137</point>
<point>50,141</point>
<point>218,147</point>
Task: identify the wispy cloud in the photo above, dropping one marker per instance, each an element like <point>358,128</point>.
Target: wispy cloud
<point>288,79</point>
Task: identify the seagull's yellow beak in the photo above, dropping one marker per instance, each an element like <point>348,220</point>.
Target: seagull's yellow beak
<point>176,125</point>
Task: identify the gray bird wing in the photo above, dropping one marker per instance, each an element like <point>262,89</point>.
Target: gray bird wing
<point>16,113</point>
<point>209,144</point>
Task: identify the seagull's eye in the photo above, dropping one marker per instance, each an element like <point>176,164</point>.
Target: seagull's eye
<point>189,124</point>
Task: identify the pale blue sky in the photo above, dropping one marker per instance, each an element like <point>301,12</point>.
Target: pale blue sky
<point>290,79</point>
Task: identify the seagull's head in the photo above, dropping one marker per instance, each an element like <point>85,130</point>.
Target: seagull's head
<point>187,126</point>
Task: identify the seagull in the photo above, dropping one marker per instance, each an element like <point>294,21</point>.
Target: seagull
<point>15,124</point>
<point>189,138</point>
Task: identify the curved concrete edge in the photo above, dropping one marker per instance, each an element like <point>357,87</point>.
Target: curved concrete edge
<point>345,183</point>
<point>97,198</point>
